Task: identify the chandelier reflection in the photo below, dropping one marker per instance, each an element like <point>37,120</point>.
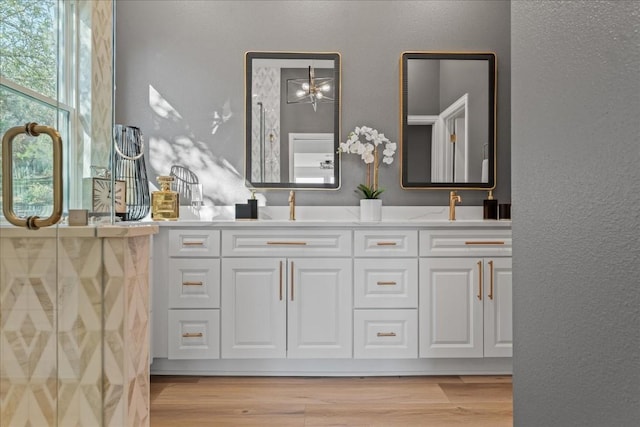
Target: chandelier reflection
<point>311,90</point>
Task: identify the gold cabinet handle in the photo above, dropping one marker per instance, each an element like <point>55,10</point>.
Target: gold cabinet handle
<point>488,242</point>
<point>192,243</point>
<point>286,243</point>
<point>192,335</point>
<point>280,280</point>
<point>390,283</point>
<point>33,222</point>
<point>480,280</point>
<point>386,243</point>
<point>386,334</point>
<point>291,280</point>
<point>490,280</point>
<point>192,283</point>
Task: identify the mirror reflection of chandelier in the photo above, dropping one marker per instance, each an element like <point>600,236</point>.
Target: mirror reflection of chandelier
<point>310,90</point>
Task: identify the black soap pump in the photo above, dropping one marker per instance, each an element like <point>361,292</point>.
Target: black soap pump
<point>253,205</point>
<point>490,206</point>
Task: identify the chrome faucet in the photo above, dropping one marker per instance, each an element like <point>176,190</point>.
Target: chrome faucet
<point>453,198</point>
<point>292,205</point>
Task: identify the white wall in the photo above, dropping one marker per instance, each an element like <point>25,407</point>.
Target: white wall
<point>576,230</point>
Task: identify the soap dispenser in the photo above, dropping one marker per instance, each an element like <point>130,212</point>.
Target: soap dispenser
<point>490,207</point>
<point>253,205</point>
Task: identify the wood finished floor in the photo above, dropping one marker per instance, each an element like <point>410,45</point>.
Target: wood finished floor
<point>353,401</point>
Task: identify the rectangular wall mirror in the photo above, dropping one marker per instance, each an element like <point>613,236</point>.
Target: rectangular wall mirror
<point>292,120</point>
<point>448,120</point>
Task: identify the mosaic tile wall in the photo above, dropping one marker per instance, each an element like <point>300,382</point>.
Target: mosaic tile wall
<point>62,378</point>
<point>266,88</point>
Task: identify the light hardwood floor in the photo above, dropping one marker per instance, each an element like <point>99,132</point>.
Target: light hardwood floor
<point>353,401</point>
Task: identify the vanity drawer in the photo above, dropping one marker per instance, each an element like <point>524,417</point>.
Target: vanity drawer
<point>286,243</point>
<point>386,243</point>
<point>194,283</point>
<point>386,283</point>
<point>447,243</point>
<point>385,334</point>
<point>194,334</point>
<point>194,243</point>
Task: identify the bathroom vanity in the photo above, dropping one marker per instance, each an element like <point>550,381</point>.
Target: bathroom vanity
<point>412,294</point>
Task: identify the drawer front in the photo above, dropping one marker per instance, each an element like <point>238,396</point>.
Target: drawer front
<point>386,283</point>
<point>194,243</point>
<point>386,243</point>
<point>286,243</point>
<point>447,243</point>
<point>194,334</point>
<point>194,283</point>
<point>385,334</point>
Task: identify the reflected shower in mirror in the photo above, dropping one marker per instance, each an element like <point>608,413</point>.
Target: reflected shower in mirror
<point>292,115</point>
<point>448,120</point>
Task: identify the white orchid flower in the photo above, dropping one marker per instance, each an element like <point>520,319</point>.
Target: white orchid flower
<point>368,157</point>
<point>388,153</point>
<point>387,160</point>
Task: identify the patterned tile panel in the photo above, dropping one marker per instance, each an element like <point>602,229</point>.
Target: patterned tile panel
<point>266,88</point>
<point>51,337</point>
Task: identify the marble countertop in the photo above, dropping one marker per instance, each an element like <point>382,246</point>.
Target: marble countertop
<point>123,229</point>
<point>336,216</point>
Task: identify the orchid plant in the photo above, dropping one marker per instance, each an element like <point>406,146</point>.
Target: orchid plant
<point>368,151</point>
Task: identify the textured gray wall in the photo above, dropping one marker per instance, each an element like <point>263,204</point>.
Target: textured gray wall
<point>191,53</point>
<point>576,218</point>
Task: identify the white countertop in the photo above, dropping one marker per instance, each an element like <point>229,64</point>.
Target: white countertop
<point>335,216</point>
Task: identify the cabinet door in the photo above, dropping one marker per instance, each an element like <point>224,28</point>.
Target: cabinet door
<point>451,312</point>
<point>498,308</point>
<point>320,308</point>
<point>253,308</point>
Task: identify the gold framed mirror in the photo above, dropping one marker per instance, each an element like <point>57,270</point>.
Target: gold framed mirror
<point>292,120</point>
<point>448,120</point>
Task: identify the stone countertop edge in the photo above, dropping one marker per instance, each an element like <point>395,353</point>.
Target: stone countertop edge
<point>124,229</point>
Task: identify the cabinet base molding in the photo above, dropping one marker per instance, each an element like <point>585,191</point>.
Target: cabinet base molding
<point>332,368</point>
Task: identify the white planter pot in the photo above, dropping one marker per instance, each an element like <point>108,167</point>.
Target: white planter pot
<point>370,209</point>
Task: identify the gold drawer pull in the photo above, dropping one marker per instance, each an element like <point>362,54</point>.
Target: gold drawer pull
<point>390,283</point>
<point>386,334</point>
<point>479,242</point>
<point>193,243</point>
<point>287,243</point>
<point>191,283</point>
<point>386,243</point>
<point>192,335</point>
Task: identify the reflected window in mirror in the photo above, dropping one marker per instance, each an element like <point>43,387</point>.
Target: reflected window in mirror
<point>448,120</point>
<point>292,120</point>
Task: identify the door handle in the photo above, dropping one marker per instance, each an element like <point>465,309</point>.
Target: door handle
<point>480,280</point>
<point>490,280</point>
<point>33,222</point>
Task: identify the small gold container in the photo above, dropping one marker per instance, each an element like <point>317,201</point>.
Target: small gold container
<point>165,203</point>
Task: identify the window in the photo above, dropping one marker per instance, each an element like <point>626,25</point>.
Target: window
<point>37,85</point>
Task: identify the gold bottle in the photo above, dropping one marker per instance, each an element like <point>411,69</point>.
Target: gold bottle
<point>165,203</point>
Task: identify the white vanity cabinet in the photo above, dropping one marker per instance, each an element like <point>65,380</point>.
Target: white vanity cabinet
<point>465,293</point>
<point>386,294</point>
<point>293,302</point>
<point>332,298</point>
<point>193,294</point>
